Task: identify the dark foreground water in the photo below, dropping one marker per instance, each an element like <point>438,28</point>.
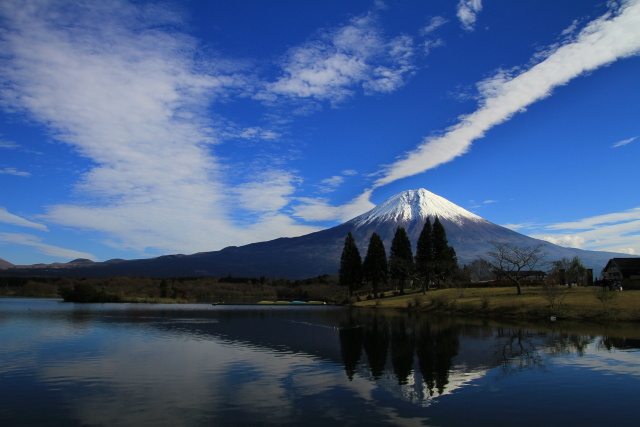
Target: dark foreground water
<point>190,365</point>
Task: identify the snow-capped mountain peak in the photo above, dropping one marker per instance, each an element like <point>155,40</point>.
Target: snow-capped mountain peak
<point>414,205</point>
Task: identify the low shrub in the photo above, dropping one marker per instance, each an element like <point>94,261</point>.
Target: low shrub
<point>441,299</point>
<point>484,302</point>
<point>417,301</point>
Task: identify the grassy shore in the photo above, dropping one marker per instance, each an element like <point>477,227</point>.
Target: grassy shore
<point>535,302</point>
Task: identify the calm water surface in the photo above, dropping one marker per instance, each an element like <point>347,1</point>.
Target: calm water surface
<point>189,365</point>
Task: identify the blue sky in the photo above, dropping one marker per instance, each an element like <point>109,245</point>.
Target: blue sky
<point>132,129</point>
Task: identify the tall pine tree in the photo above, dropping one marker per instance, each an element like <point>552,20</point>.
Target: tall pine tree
<point>424,255</point>
<point>401,264</point>
<point>375,268</point>
<point>445,259</point>
<point>350,274</point>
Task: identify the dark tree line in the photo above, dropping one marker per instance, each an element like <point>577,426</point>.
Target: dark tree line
<point>435,261</point>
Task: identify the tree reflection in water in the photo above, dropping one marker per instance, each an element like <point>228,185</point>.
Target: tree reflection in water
<point>423,352</point>
<point>351,339</point>
<point>376,345</point>
<point>399,339</point>
<point>436,351</point>
<point>518,349</point>
<point>402,349</point>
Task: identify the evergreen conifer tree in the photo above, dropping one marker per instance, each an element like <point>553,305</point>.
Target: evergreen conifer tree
<point>350,274</point>
<point>445,259</point>
<point>401,264</point>
<point>375,268</point>
<point>424,255</point>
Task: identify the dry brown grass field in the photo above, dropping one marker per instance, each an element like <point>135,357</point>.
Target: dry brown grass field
<point>535,302</point>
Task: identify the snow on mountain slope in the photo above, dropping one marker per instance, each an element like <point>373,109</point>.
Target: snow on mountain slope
<point>412,205</point>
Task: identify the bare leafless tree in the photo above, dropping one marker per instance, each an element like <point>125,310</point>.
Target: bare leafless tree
<point>480,270</point>
<point>512,261</point>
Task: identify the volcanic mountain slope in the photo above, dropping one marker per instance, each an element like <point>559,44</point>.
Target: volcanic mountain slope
<point>319,253</point>
<point>5,264</point>
<point>469,234</point>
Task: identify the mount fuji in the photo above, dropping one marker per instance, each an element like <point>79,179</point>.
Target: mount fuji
<point>319,253</point>
<point>470,235</point>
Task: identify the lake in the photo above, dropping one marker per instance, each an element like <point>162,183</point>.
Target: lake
<point>197,364</point>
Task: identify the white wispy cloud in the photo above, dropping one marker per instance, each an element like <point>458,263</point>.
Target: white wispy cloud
<point>341,61</point>
<point>331,184</point>
<point>617,232</point>
<point>624,142</point>
<point>571,29</point>
<point>434,23</point>
<point>468,12</point>
<point>9,218</point>
<point>521,226</point>
<point>311,209</point>
<point>613,36</point>
<point>432,43</point>
<point>268,191</point>
<point>477,205</point>
<point>224,130</point>
<point>566,240</point>
<point>8,144</point>
<point>380,5</point>
<point>120,83</point>
<point>429,45</point>
<point>258,133</point>
<point>36,242</point>
<point>612,219</point>
<point>14,171</point>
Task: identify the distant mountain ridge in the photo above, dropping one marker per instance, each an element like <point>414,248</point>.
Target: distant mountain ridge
<point>5,264</point>
<point>319,253</point>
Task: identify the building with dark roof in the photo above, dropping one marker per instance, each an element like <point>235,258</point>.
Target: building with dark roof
<point>626,270</point>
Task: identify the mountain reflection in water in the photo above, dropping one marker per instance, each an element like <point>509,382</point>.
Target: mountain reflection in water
<point>138,364</point>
